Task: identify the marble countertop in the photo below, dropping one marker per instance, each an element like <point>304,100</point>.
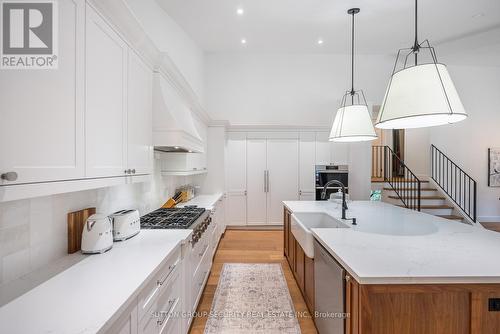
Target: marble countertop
<point>86,297</point>
<point>206,201</point>
<point>393,245</point>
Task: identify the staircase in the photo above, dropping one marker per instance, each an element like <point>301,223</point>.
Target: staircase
<point>401,187</point>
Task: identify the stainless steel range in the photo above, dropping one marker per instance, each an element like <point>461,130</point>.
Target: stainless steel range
<point>188,217</point>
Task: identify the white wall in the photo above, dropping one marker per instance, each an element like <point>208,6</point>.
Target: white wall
<point>170,38</point>
<point>467,142</point>
<point>301,90</point>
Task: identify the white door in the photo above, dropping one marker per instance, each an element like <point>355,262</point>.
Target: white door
<point>105,121</point>
<point>283,184</point>
<point>323,149</point>
<point>139,116</point>
<point>41,113</point>
<point>236,174</point>
<point>256,174</point>
<point>307,161</point>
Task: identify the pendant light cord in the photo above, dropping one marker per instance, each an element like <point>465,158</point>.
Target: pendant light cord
<point>416,47</point>
<point>352,60</point>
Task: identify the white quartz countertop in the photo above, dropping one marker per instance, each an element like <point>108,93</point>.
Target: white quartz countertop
<point>203,201</point>
<point>86,297</point>
<point>393,245</point>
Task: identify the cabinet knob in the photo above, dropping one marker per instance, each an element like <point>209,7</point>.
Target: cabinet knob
<point>347,278</point>
<point>133,171</point>
<point>10,176</point>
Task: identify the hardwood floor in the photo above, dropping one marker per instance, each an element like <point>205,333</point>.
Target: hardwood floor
<point>492,226</point>
<point>250,247</point>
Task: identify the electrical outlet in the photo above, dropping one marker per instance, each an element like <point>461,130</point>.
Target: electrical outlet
<point>494,304</point>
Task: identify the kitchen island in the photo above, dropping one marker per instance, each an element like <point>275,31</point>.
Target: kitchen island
<point>406,271</point>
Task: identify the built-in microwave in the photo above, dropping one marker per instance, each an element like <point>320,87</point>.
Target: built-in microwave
<point>326,173</point>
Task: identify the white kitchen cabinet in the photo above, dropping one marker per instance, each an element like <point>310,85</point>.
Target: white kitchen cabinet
<point>256,181</point>
<point>323,150</point>
<point>236,174</point>
<point>307,196</point>
<point>283,176</point>
<point>307,162</point>
<point>106,102</point>
<point>328,152</point>
<point>139,115</point>
<point>127,323</point>
<point>272,177</point>
<point>42,111</point>
<point>340,153</point>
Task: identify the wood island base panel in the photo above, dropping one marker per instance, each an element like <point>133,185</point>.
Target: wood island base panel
<point>403,308</point>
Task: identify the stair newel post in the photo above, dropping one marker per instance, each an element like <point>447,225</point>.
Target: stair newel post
<point>475,201</point>
<point>385,163</point>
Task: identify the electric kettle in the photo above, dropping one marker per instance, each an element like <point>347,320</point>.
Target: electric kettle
<point>97,234</point>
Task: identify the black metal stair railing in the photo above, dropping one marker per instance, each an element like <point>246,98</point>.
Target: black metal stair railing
<point>387,166</point>
<point>455,182</point>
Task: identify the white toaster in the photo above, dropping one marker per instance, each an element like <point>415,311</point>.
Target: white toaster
<point>126,224</point>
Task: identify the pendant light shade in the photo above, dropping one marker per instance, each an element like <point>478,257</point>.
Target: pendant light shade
<point>353,121</point>
<point>419,94</point>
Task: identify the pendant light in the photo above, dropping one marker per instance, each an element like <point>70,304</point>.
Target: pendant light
<point>352,121</point>
<point>420,93</point>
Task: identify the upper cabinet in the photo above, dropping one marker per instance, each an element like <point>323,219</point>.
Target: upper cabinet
<point>307,154</point>
<point>89,118</point>
<point>118,117</point>
<point>328,152</point>
<point>42,111</point>
<point>106,103</point>
<point>139,116</point>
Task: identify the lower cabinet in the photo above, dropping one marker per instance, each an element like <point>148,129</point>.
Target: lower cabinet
<point>302,266</point>
<point>402,308</point>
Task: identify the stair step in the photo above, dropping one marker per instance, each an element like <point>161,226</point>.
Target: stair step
<point>421,197</point>
<point>421,189</point>
<point>432,207</point>
<point>451,217</point>
<point>381,180</point>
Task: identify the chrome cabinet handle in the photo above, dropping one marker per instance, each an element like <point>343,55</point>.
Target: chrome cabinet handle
<point>265,182</point>
<point>170,270</point>
<point>9,176</point>
<point>133,171</point>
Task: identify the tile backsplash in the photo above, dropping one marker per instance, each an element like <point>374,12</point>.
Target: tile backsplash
<point>33,232</point>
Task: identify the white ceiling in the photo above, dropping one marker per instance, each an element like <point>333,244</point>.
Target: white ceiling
<point>294,26</point>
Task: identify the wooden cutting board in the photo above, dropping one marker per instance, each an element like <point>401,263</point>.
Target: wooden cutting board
<point>76,222</point>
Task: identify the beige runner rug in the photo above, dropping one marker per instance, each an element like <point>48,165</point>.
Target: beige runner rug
<point>252,298</point>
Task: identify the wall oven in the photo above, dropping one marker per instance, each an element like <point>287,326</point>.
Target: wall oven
<point>326,173</point>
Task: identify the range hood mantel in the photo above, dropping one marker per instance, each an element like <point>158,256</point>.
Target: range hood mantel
<point>174,129</point>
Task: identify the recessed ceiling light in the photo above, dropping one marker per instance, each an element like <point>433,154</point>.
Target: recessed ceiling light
<point>240,11</point>
<point>243,41</point>
<point>478,15</point>
<point>320,41</point>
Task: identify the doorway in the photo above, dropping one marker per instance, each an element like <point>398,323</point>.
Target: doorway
<point>398,146</point>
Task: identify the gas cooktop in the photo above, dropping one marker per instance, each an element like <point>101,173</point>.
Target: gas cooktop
<point>173,218</point>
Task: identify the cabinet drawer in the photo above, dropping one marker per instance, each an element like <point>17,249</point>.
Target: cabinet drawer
<point>198,252</point>
<point>199,278</point>
<point>161,313</point>
<point>152,290</point>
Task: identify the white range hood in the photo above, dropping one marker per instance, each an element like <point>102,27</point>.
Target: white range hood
<point>173,125</point>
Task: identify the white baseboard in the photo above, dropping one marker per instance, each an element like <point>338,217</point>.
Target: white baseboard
<point>489,219</point>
